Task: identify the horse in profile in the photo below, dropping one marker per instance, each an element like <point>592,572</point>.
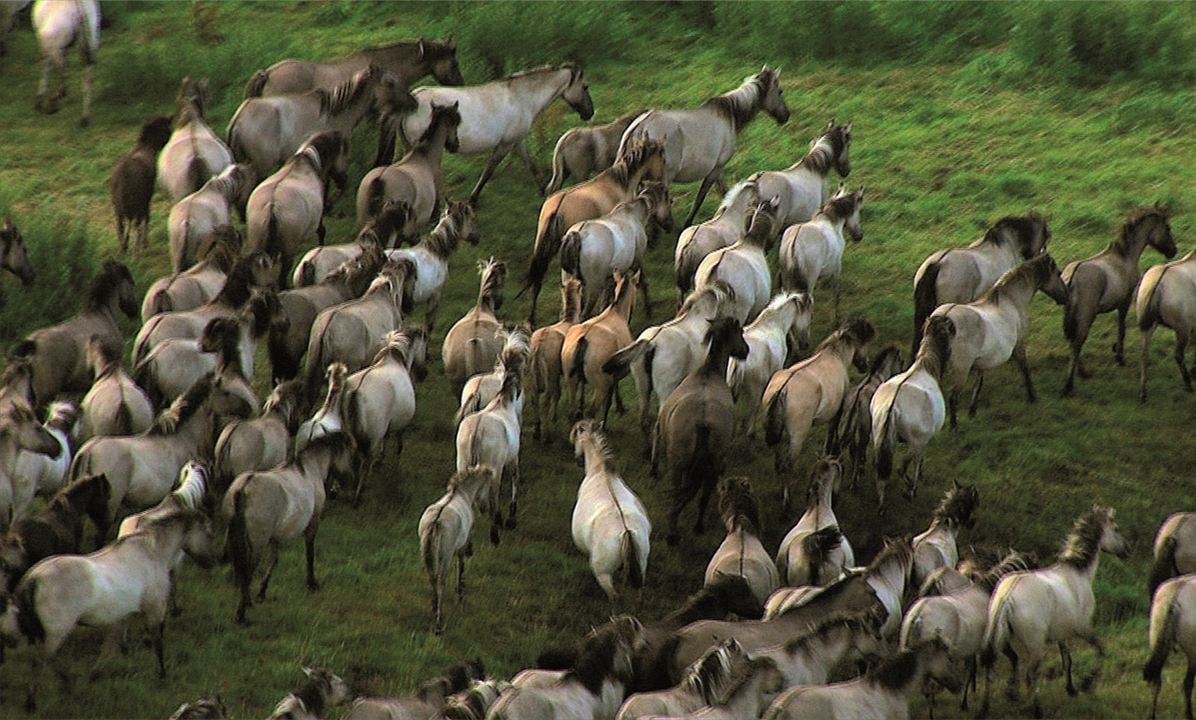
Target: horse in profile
<point>58,26</point>
<point>187,290</point>
<point>407,60</point>
<point>1167,297</point>
<point>804,187</point>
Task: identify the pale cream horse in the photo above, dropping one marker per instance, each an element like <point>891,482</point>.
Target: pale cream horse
<point>744,266</point>
<point>1174,548</point>
<point>59,24</point>
<point>813,251</point>
<point>804,186</point>
<point>1172,626</point>
<point>114,405</point>
<point>491,438</point>
<point>195,218</point>
<point>777,333</point>
<point>811,554</point>
<point>741,553</point>
<point>193,154</point>
<point>1167,297</point>
<point>726,228</point>
<point>936,547</point>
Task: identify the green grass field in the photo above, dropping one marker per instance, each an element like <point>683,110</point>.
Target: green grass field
<point>949,136</point>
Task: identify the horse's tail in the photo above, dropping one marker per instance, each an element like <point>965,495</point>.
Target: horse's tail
<point>469,406</point>
<point>123,423</point>
<point>1163,568</point>
<point>197,173</point>
<point>620,363</point>
<point>144,376</point>
<point>237,545</point>
<point>24,601</point>
<point>887,446</point>
<point>475,360</point>
<point>284,366</point>
<point>547,244</point>
<point>997,630</point>
<point>578,371</point>
<point>273,246</point>
<point>315,368</point>
<point>1163,623</point>
<point>220,464</point>
<point>925,300</point>
<point>160,302</point>
<point>305,274</point>
<point>476,442</point>
<point>429,551</point>
<point>559,171</point>
<point>80,464</point>
<point>774,422</point>
<point>256,84</point>
<point>1148,307</point>
<point>633,574</point>
<point>686,268</point>
<point>24,349</point>
<point>375,194</point>
<point>702,466</point>
<point>1069,317</point>
<point>817,546</point>
<point>571,254</point>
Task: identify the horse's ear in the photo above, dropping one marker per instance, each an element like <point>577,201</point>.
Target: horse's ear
<point>307,670</point>
<point>422,49</point>
<point>955,484</point>
<point>847,128</point>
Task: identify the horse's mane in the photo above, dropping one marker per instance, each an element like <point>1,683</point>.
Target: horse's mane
<point>1028,270</point>
<point>594,430</point>
<point>720,330</point>
<point>1013,562</point>
<point>856,329</point>
<point>710,596</point>
<point>366,264</point>
<point>446,236</point>
<point>732,196</point>
<point>893,551</point>
<point>283,398</point>
<point>1136,217</point>
<point>335,100</point>
<point>512,385</point>
<point>896,672</point>
<point>16,368</point>
<point>841,207</point>
<point>1021,225</point>
<point>935,349</point>
<point>106,284</point>
<point>742,675</point>
<point>1082,545</point>
<point>571,300</point>
<point>866,620</point>
<point>398,345</point>
<point>882,359</point>
<point>65,497</point>
<point>333,441</point>
<point>183,407</point>
<point>467,475</point>
<point>825,465</point>
<point>222,248</point>
<point>818,160</point>
<point>473,703</point>
<point>596,658</point>
<point>713,290</point>
<point>238,284</point>
<point>572,67</point>
<point>957,505</point>
<point>494,275</point>
<point>632,159</point>
<point>326,145</point>
<point>731,104</point>
<point>190,493</point>
<point>440,114</point>
<point>710,672</point>
<point>226,333</point>
<point>827,594</point>
<point>738,505</point>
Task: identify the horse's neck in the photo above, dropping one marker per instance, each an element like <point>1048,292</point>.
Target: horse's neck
<point>316,463</point>
<point>825,504</point>
<point>717,360</point>
<point>1017,294</point>
<point>745,102</point>
<point>814,159</point>
<point>432,148</point>
<point>828,648</point>
<point>543,87</point>
<point>1131,249</point>
<point>623,306</point>
<point>595,460</point>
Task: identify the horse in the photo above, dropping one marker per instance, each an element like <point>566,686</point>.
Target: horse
<point>961,275</point>
<point>265,508</point>
<point>444,530</point>
<point>641,161</point>
<point>703,682</point>
<point>610,522</point>
<point>696,423</point>
<point>194,218</point>
<point>1107,281</point>
<point>194,154</point>
<point>14,256</point>
<point>583,151</point>
<point>200,282</point>
<point>205,708</point>
<point>258,443</point>
<point>1174,549</point>
<point>746,695</point>
<point>1032,609</point>
<point>141,468</point>
<point>379,401</point>
<point>287,209</point>
<point>114,405</point>
<point>319,690</point>
<point>57,529</point>
<point>300,306</point>
<point>883,694</point>
<point>431,256</point>
<point>329,417</point>
<point>724,229</point>
<point>663,355</point>
<point>265,131</point>
<point>744,266</point>
<point>854,433</point>
<point>741,552</point>
<point>813,250</point>
<point>407,60</point>
<point>320,262</point>
<point>992,329</point>
<point>353,332</point>
<point>810,391</point>
<point>910,407</point>
<point>699,142</point>
<point>1167,297</point>
<point>132,182</point>
<point>20,432</point>
<point>490,437</point>
<point>809,657</point>
<point>130,576</point>
<point>1172,627</point>
<point>36,473</point>
<point>58,354</point>
<point>814,551</point>
<point>480,389</point>
<point>935,548</point>
<point>545,358</point>
<point>59,24</point>
<point>593,688</point>
<point>416,179</point>
<point>953,607</point>
<point>590,345</point>
<point>475,703</point>
<point>776,334</point>
<point>453,686</point>
<point>497,117</point>
<point>471,346</point>
<point>804,187</point>
<point>594,250</point>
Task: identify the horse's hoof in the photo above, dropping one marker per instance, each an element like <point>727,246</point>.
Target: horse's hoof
<point>313,586</point>
<point>511,523</point>
<point>1072,691</point>
<point>85,121</point>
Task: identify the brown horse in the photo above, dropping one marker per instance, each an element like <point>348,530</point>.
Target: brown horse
<point>58,354</point>
<point>1106,281</point>
<point>696,424</point>
<point>133,180</point>
<point>546,344</point>
<point>644,160</point>
<point>13,255</point>
<point>590,345</point>
<point>583,151</point>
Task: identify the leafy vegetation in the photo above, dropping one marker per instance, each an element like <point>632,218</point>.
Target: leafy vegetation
<point>963,113</point>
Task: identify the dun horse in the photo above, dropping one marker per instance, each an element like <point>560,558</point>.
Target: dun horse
<point>815,552</point>
<point>319,690</point>
<point>546,370</point>
<point>590,345</point>
<point>57,529</point>
<point>491,438</point>
<point>1167,297</point>
<point>1172,626</point>
<point>726,228</point>
<point>854,433</point>
<point>471,345</point>
<point>804,187</point>
<point>480,389</point>
<point>701,685</point>
<point>1174,549</point>
<point>194,153</point>
<point>132,182</point>
<point>744,266</point>
<point>115,405</point>
<point>380,233</point>
<point>584,151</point>
<point>935,548</point>
<point>200,282</point>
<point>58,26</point>
<point>452,687</point>
<point>194,218</point>
<point>258,443</point>
<point>408,60</point>
<point>36,473</point>
<point>741,552</point>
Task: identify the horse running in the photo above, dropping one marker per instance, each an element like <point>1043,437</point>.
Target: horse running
<point>741,552</point>
<point>1167,297</point>
<point>814,551</point>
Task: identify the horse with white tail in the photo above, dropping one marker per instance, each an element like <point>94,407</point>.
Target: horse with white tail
<point>814,551</point>
<point>1030,611</point>
<point>777,334</point>
<point>741,553</point>
<point>610,523</point>
<point>813,251</point>
<point>804,186</point>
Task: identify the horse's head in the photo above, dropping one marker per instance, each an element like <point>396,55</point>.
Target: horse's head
<point>230,395</point>
<point>1050,279</point>
<point>660,204</point>
<point>840,140</point>
<point>852,225</point>
<point>199,538</point>
<point>772,99</point>
<point>583,432</point>
<point>192,97</point>
<point>1033,234</point>
<point>335,690</point>
<point>441,55</point>
<point>1111,539</point>
<point>859,333</point>
<point>332,148</point>
<point>448,116</point>
<point>727,333</point>
<point>626,634</point>
<point>286,398</point>
<point>867,642</point>
<point>577,92</point>
<point>1160,237</point>
<point>245,178</point>
<point>937,663</point>
<point>825,479</point>
<point>464,218</point>
<point>263,269</point>
<point>115,280</point>
<point>89,495</point>
<point>19,426</point>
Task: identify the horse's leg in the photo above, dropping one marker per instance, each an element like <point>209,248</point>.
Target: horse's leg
<point>363,471</point>
<point>537,176</point>
<point>122,233</point>
<point>511,522</point>
<point>1065,655</point>
<point>953,408</point>
<point>40,103</point>
<point>703,502</point>
<point>1181,348</point>
<point>430,315</point>
<point>977,386</point>
<point>1023,364</point>
<point>466,552</point>
<point>160,648</point>
<point>620,408</point>
<point>1087,683</point>
<point>1032,667</point>
<point>680,500</point>
<point>88,79</point>
<point>1119,348</point>
<point>837,289</point>
<point>273,550</point>
<point>969,683</point>
<point>1142,364</point>
<point>499,154</point>
<point>438,583</point>
<point>309,543</point>
<point>644,289</point>
<point>913,486</point>
<point>1189,680</point>
<point>1012,692</point>
<point>701,196</point>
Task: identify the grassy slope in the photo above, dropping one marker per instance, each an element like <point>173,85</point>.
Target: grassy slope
<point>943,150</point>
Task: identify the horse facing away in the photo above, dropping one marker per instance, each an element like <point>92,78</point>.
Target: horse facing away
<point>380,233</point>
<point>194,154</point>
<point>1174,549</point>
<point>584,151</point>
<point>258,443</point>
<point>1172,625</point>
<point>590,345</point>
<point>744,266</point>
<point>431,255</point>
<point>59,24</point>
<point>444,530</point>
<point>610,523</point>
<point>804,186</point>
<point>454,686</point>
<point>132,182</point>
<point>491,437</point>
<point>546,370</point>
<point>471,345</point>
<point>936,547</point>
<point>1031,610</point>
<point>699,142</point>
<point>813,250</point>
<point>194,218</point>
<point>776,334</point>
<point>217,253</point>
<point>724,229</point>
<point>741,552</point>
<point>114,405</point>
<point>1106,281</point>
<point>814,551</point>
<point>1167,297</point>
<point>855,428</point>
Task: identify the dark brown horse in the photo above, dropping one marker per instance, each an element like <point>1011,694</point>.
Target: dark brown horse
<point>133,181</point>
<point>56,530</point>
<point>13,255</point>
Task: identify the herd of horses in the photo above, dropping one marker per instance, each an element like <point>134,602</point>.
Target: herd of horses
<point>179,449</point>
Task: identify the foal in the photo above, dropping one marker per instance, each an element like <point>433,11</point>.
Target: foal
<point>444,531</point>
<point>741,553</point>
<point>545,359</point>
<point>132,182</point>
<point>591,344</point>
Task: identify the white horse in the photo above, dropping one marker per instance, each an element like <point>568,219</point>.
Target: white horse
<point>808,556</point>
<point>194,218</point>
<point>813,251</point>
<point>728,225</point>
<point>1172,626</point>
<point>431,256</point>
<point>810,657</point>
<point>663,355</point>
<point>774,336</point>
<point>490,437</point>
<point>804,187</point>
<point>480,389</point>
<point>744,266</point>
<point>1029,611</point>
<point>444,531</point>
<point>1174,548</point>
<point>1167,297</point>
<point>935,548</point>
<point>610,523</point>
<point>700,686</point>
<point>497,117</point>
<point>38,474</point>
<point>594,250</point>
<point>741,552</point>
<point>59,24</point>
<point>193,154</point>
<point>131,576</point>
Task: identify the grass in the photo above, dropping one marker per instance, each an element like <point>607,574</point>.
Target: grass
<point>948,138</point>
